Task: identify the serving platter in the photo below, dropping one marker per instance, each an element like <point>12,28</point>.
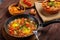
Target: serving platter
<point>44,15</point>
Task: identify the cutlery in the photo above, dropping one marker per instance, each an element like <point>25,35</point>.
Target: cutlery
<point>36,33</point>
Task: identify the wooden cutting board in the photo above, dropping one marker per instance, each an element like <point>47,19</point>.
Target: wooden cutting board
<point>44,17</point>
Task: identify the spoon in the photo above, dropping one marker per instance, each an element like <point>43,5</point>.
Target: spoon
<point>36,32</point>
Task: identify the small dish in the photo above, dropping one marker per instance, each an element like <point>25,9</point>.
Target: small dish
<point>44,16</point>
<point>15,9</point>
<point>51,7</point>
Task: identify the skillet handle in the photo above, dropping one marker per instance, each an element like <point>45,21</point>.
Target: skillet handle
<point>50,22</point>
<point>44,29</point>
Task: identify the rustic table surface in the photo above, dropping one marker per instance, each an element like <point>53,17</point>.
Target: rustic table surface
<point>53,30</point>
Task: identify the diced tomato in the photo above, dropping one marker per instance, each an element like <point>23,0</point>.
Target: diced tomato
<point>27,25</point>
<point>27,3</point>
<point>11,28</point>
<point>24,0</point>
<point>22,21</point>
<point>11,32</point>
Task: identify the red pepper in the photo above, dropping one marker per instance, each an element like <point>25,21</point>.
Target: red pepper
<point>27,3</point>
<point>22,21</point>
<point>11,28</point>
<point>24,0</point>
<point>11,32</point>
<point>27,25</point>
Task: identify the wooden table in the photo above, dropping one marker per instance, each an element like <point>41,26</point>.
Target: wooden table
<point>52,30</point>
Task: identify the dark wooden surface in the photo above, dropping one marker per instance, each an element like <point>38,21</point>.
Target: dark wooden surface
<point>53,30</point>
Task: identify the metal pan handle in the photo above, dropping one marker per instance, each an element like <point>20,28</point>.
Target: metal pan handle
<point>50,22</point>
<point>44,29</point>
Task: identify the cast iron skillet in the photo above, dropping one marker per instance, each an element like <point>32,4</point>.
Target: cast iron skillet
<point>16,17</point>
<point>30,17</point>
